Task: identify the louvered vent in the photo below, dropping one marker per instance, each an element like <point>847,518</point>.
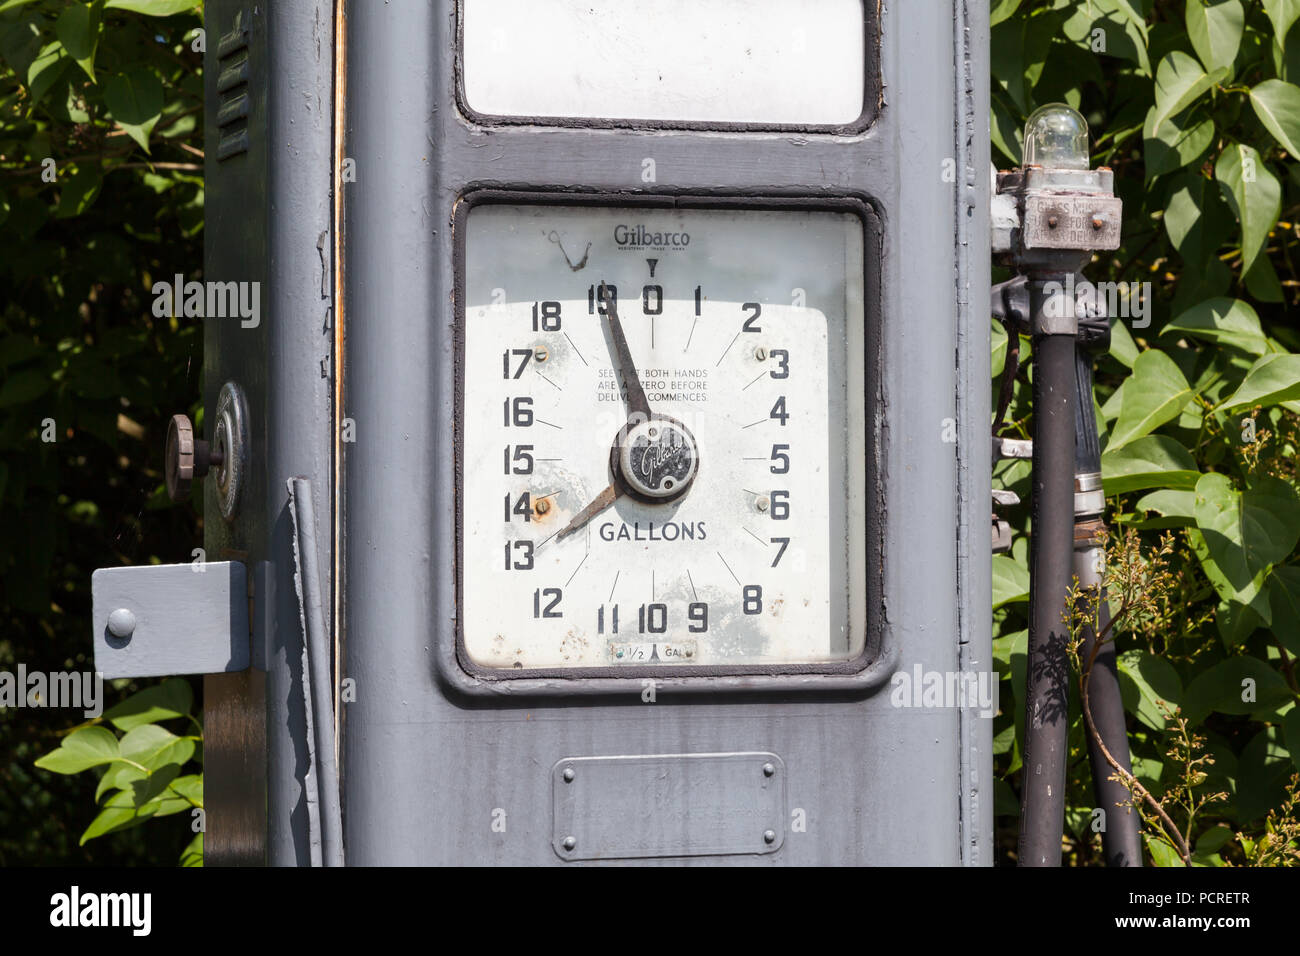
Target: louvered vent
<point>233,97</point>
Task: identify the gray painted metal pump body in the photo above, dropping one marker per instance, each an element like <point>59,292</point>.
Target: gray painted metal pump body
<point>439,766</point>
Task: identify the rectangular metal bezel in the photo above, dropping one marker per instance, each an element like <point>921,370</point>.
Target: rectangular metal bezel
<point>871,97</point>
<point>860,674</point>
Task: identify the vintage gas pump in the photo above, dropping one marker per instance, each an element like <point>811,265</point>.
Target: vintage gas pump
<point>612,454</point>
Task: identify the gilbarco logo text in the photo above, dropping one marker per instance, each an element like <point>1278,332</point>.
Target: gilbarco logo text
<point>639,237</point>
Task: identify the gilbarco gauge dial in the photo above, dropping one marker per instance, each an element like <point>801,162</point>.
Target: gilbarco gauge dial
<point>663,451</point>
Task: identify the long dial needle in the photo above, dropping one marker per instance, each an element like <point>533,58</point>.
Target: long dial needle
<point>601,502</point>
<point>636,400</point>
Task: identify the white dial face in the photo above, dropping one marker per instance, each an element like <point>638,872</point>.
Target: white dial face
<point>663,452</point>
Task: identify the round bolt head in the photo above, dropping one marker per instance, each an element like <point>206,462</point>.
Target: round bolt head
<point>569,775</point>
<point>760,353</point>
<point>769,836</point>
<point>543,506</point>
<point>570,842</point>
<point>768,770</point>
<point>121,623</point>
<point>763,503</point>
<point>540,353</point>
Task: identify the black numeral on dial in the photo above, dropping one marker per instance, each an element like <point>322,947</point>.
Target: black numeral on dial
<point>698,615</point>
<point>522,557</point>
<point>518,412</point>
<point>653,618</point>
<point>518,460</point>
<point>546,601</point>
<point>546,316</point>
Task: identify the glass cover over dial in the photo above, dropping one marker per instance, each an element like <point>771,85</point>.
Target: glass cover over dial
<point>662,437</point>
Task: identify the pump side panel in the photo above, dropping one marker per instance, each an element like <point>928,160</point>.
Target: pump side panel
<point>430,771</point>
<point>269,222</point>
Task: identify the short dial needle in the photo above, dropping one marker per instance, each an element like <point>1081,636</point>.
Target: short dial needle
<point>602,501</point>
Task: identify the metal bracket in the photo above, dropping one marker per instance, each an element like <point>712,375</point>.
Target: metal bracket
<point>1001,529</point>
<point>162,619</point>
<point>1012,448</point>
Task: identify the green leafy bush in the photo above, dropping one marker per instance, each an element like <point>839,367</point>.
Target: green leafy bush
<point>1195,106</point>
<point>101,193</point>
<point>141,774</point>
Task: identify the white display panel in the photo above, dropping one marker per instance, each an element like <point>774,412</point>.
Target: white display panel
<point>746,329</point>
<point>768,62</point>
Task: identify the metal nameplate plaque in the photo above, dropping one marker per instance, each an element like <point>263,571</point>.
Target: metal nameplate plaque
<point>668,805</point>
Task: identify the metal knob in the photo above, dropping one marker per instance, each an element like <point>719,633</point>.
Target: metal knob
<point>186,457</point>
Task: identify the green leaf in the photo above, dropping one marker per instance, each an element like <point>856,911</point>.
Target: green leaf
<point>192,855</point>
<point>1262,774</point>
<point>1282,14</point>
<point>78,31</point>
<point>998,353</point>
<point>1010,581</point>
<point>1254,194</point>
<point>1153,395</point>
<point>1171,504</point>
<point>118,776</point>
<point>1156,461</point>
<point>81,750</point>
<point>1215,30</point>
<point>1213,839</point>
<point>1262,282</point>
<point>151,785</point>
<point>1277,104</point>
<point>1005,130</point>
<point>1002,9</point>
<point>1284,602</point>
<point>136,101</point>
<point>190,787</point>
<point>24,386</point>
<point>79,191</point>
<point>1291,734</point>
<point>153,746</point>
<point>1223,321</point>
<point>1156,681</point>
<point>1176,145</point>
<point>1198,222</point>
<point>1179,81</point>
<point>1123,31</point>
<point>1272,380</point>
<point>154,8</point>
<point>46,70</point>
<point>1162,854</point>
<point>1231,595</point>
<point>1247,532</point>
<point>172,698</point>
<point>1237,622</point>
<point>1229,686</point>
<point>119,813</point>
<point>1122,347</point>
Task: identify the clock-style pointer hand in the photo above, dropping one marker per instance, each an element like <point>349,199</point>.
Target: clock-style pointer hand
<point>601,502</point>
<point>636,400</point>
<point>637,406</point>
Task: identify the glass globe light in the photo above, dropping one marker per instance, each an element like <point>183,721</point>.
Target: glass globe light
<point>1056,137</point>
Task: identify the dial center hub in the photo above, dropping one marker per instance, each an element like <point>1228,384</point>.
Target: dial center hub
<point>658,458</point>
